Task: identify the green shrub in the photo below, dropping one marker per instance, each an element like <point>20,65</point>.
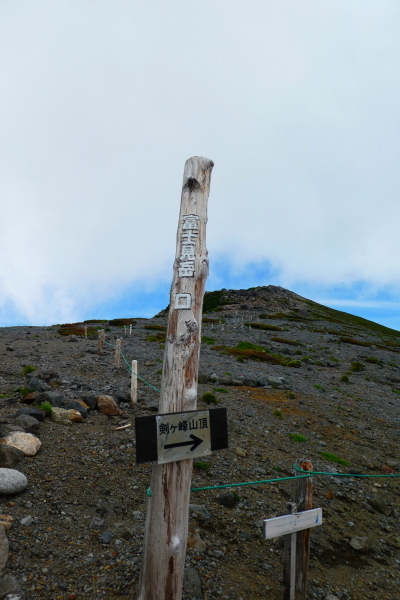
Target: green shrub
<point>28,369</point>
<point>319,387</point>
<point>356,366</point>
<point>334,458</point>
<point>297,437</point>
<point>159,372</point>
<point>208,340</point>
<point>395,391</point>
<point>294,363</point>
<point>344,378</point>
<point>156,327</point>
<point>209,398</point>
<point>202,466</point>
<point>221,390</point>
<point>46,406</point>
<point>374,361</point>
<point>278,413</point>
<point>5,395</point>
<point>121,322</point>
<point>158,337</point>
<point>24,391</point>
<point>291,396</point>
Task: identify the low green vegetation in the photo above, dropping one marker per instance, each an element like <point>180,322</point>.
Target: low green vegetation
<point>286,341</point>
<point>278,413</point>
<point>46,406</point>
<point>157,337</point>
<point>357,366</point>
<point>77,329</point>
<point>263,326</point>
<point>344,378</point>
<point>155,327</point>
<point>209,398</point>
<point>395,391</point>
<point>202,466</point>
<point>121,322</point>
<point>5,396</point>
<point>24,391</point>
<point>159,372</point>
<point>291,396</point>
<point>373,360</point>
<point>297,437</point>
<point>334,458</point>
<point>294,363</point>
<point>28,369</point>
<point>221,390</point>
<point>208,340</point>
<point>319,387</point>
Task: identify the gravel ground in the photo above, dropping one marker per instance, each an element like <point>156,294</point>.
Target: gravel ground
<point>88,469</point>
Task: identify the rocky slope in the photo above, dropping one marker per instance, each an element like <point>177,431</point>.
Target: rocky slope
<point>297,379</point>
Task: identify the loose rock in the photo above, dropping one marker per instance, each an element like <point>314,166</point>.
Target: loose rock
<point>12,481</point>
<point>10,456</point>
<point>28,443</point>
<point>107,405</point>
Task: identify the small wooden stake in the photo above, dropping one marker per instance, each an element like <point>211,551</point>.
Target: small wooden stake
<point>303,501</point>
<point>134,382</point>
<point>118,353</point>
<point>100,342</point>
<point>85,331</point>
<point>130,329</point>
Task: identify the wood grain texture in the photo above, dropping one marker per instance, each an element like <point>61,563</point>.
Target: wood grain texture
<point>166,528</point>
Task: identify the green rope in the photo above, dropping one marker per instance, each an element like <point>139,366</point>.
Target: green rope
<point>296,468</point>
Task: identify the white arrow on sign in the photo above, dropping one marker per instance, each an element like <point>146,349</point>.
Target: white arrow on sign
<point>291,523</point>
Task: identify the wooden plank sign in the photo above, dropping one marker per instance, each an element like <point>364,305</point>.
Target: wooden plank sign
<point>178,436</point>
<point>292,523</point>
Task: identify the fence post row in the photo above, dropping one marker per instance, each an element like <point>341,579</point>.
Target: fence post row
<point>166,529</point>
<point>100,341</point>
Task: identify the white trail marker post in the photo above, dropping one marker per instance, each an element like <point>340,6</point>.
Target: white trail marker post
<point>134,382</point>
<point>166,529</point>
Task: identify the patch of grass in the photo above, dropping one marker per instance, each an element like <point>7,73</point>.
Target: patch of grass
<point>294,363</point>
<point>76,329</point>
<point>157,337</point>
<point>278,413</point>
<point>24,391</point>
<point>208,340</point>
<point>344,378</point>
<point>228,374</point>
<point>319,363</point>
<point>221,391</point>
<point>247,351</point>
<point>212,301</point>
<point>334,359</point>
<point>121,322</point>
<point>28,369</point>
<point>5,396</point>
<point>209,398</point>
<point>297,437</point>
<point>46,406</point>
<point>395,391</point>
<point>373,360</point>
<point>285,341</point>
<point>159,372</point>
<point>155,327</point>
<point>277,469</point>
<point>263,326</point>
<point>202,466</point>
<point>357,366</point>
<point>319,387</point>
<point>334,458</point>
<point>291,396</point>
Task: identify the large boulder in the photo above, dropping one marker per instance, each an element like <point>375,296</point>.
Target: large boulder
<point>60,415</point>
<point>29,424</point>
<point>37,413</point>
<point>53,398</point>
<point>107,405</point>
<point>28,443</point>
<point>12,481</point>
<point>10,456</point>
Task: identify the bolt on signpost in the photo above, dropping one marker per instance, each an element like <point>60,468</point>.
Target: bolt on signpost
<point>166,528</point>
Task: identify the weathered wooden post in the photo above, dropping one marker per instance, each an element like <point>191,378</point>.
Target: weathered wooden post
<point>166,529</point>
<point>134,382</point>
<point>130,329</point>
<point>85,331</point>
<point>100,342</point>
<point>118,353</point>
<point>303,496</point>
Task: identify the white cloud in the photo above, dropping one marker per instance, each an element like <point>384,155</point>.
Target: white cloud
<point>101,103</point>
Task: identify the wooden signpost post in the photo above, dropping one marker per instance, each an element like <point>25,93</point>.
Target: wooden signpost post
<point>164,545</point>
<point>134,382</point>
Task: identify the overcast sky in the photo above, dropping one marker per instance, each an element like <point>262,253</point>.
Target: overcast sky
<point>101,103</point>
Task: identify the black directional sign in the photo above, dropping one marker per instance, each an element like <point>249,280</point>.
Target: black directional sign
<point>178,436</point>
